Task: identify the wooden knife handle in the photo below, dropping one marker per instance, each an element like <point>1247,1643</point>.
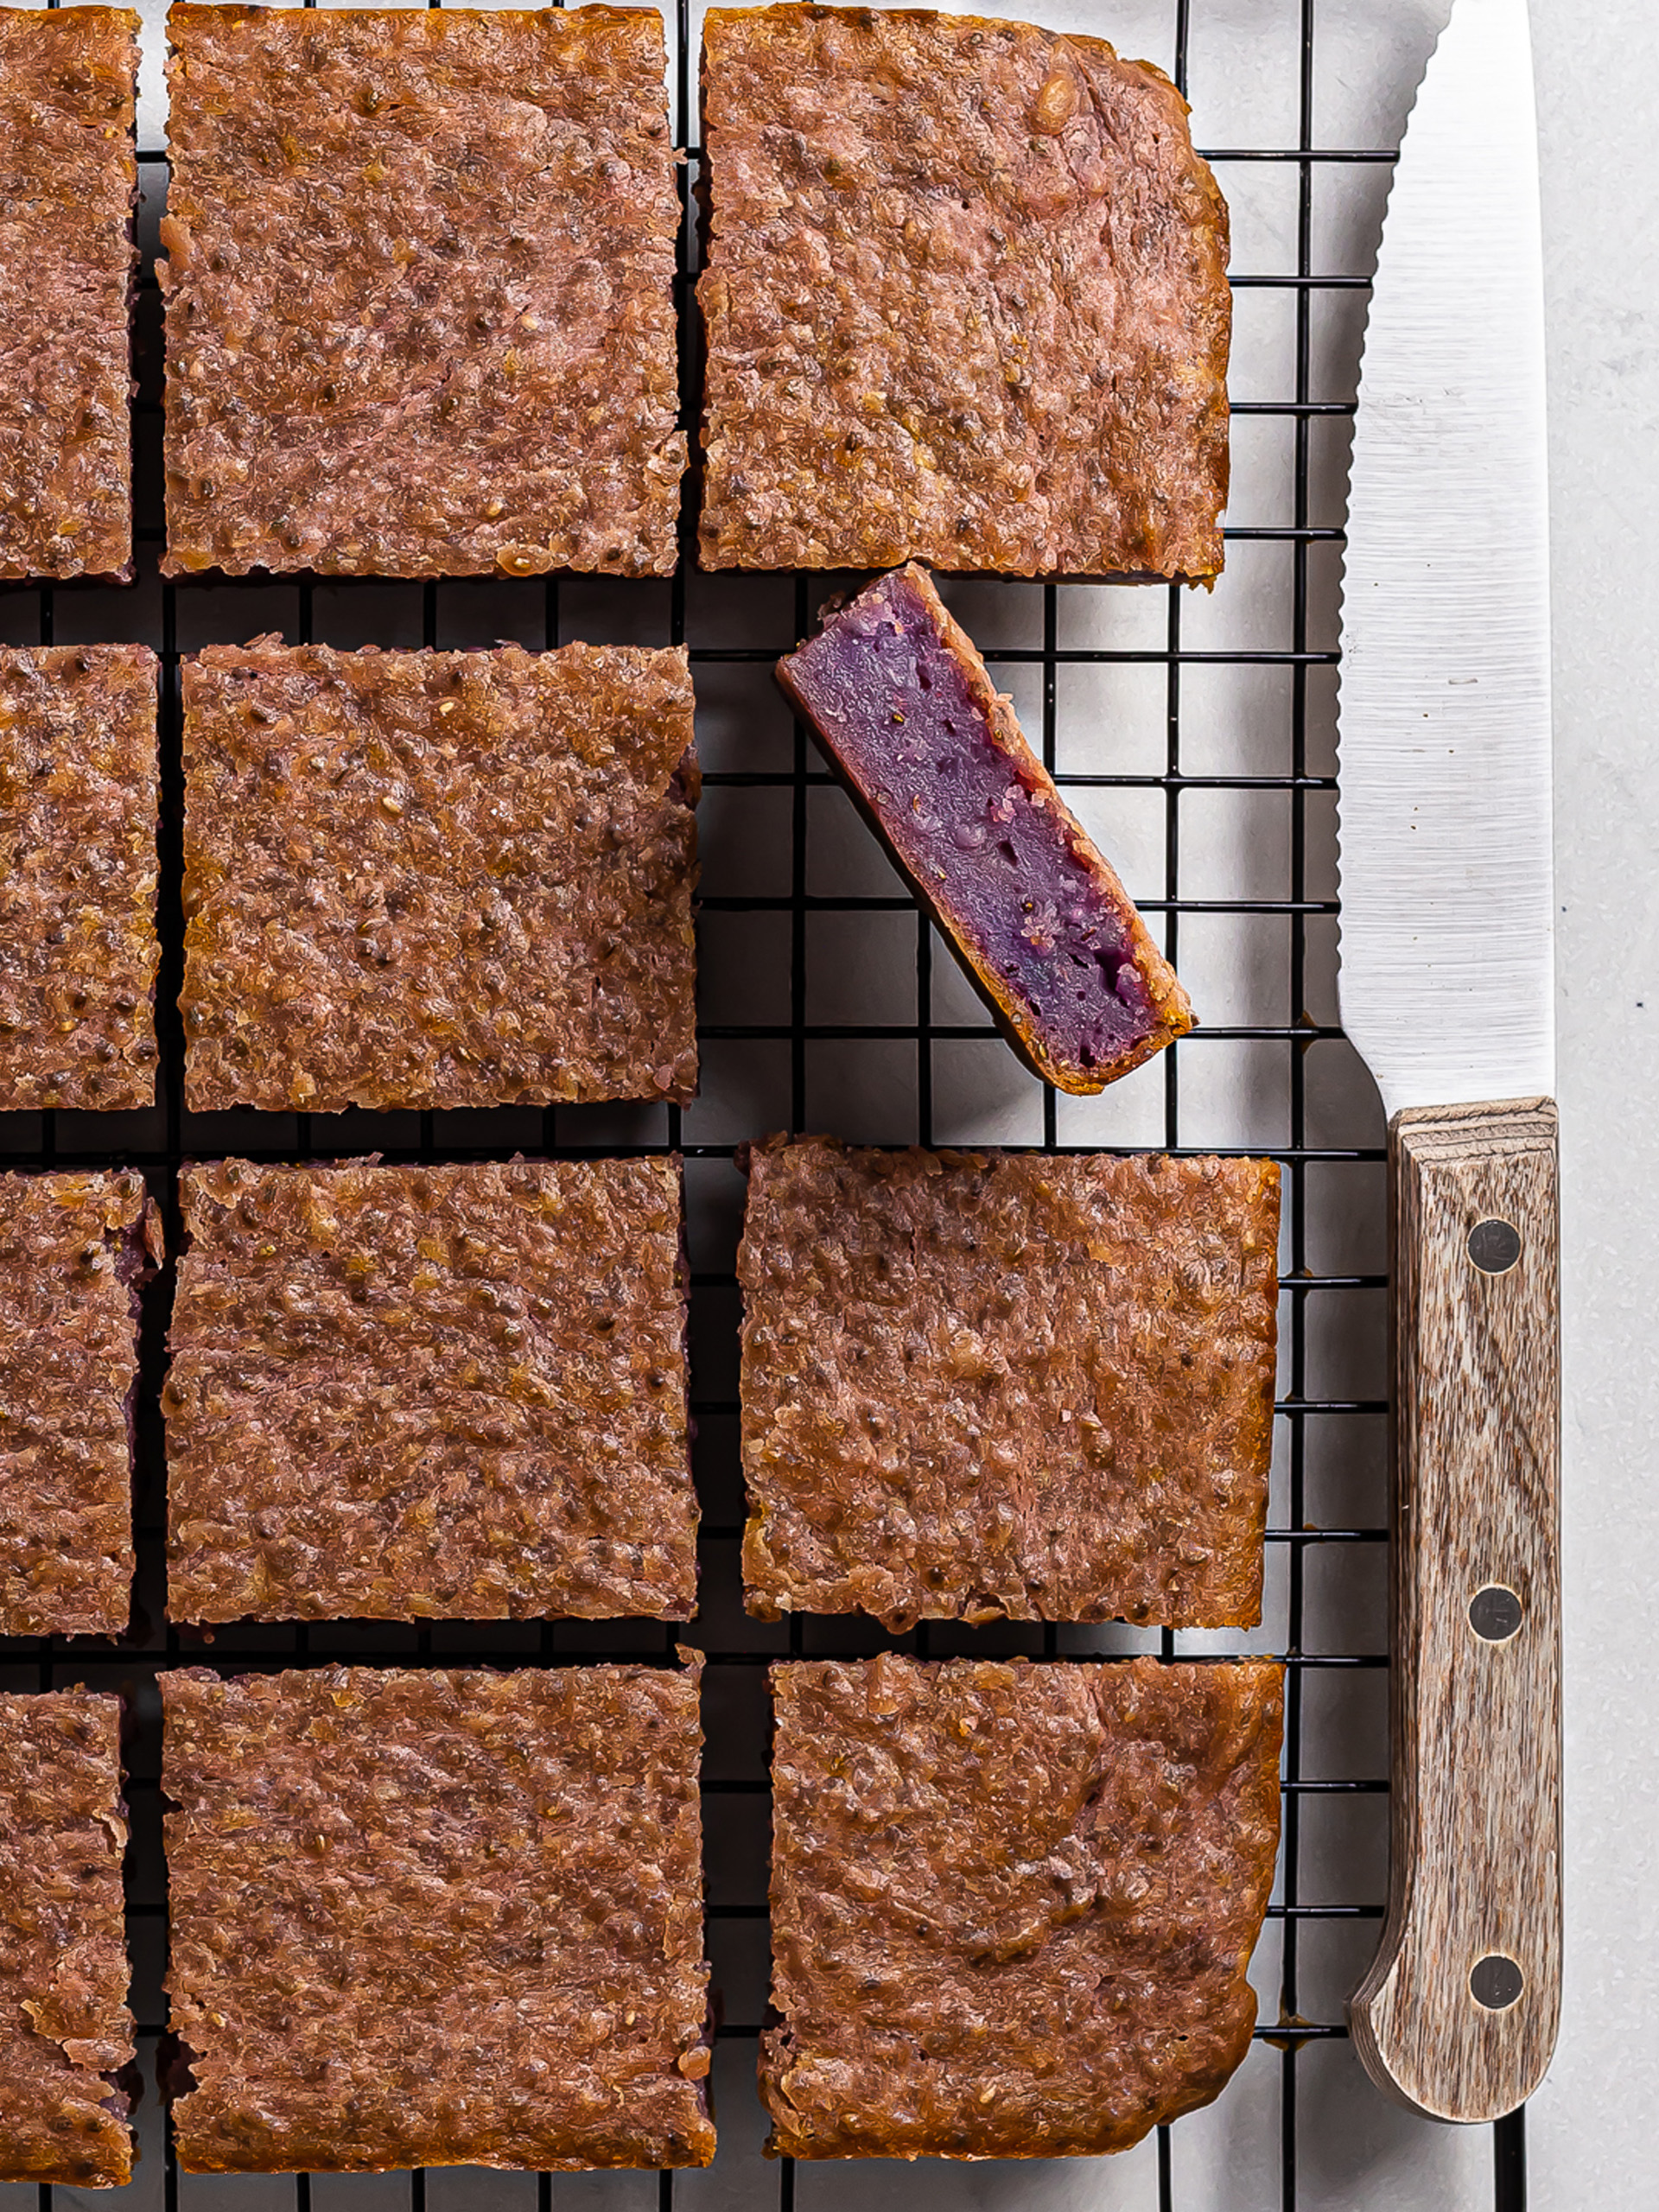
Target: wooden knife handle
<point>1457,2017</point>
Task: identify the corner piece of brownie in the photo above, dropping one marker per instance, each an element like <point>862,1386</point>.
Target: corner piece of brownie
<point>65,2034</point>
<point>78,873</point>
<point>901,704</point>
<point>420,292</point>
<point>428,1918</point>
<point>965,292</point>
<point>1012,1907</point>
<point>75,1251</point>
<point>68,181</point>
<point>1021,1385</point>
<point>438,879</point>
<point>450,1392</point>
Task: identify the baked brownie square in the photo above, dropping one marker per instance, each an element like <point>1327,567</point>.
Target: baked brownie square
<point>1019,1385</point>
<point>75,1251</point>
<point>419,271</point>
<point>68,180</point>
<point>435,879</point>
<point>937,763</point>
<point>432,1918</point>
<point>78,943</point>
<point>421,1393</point>
<point>966,300</point>
<point>65,2034</point>
<point>1012,1907</point>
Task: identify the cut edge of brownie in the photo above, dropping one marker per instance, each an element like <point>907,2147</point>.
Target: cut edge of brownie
<point>771,1594</point>
<point>187,1600</point>
<point>56,668</point>
<point>1167,1012</point>
<point>135,1247</point>
<point>178,2062</point>
<point>650,534</point>
<point>211,1084</point>
<point>888,1678</point>
<point>1213,439</point>
<point>111,2162</point>
<point>122,572</point>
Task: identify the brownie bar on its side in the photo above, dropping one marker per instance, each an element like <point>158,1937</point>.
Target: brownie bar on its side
<point>66,2033</point>
<point>433,1918</point>
<point>78,943</point>
<point>965,290</point>
<point>436,880</point>
<point>1013,1906</point>
<point>75,1249</point>
<point>68,178</point>
<point>434,1392</point>
<point>901,704</point>
<point>1016,1385</point>
<point>420,279</point>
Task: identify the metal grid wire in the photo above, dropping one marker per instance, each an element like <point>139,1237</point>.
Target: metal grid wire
<point>178,616</point>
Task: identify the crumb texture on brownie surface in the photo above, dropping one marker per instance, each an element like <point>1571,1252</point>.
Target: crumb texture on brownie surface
<point>1008,1385</point>
<point>419,269</point>
<point>75,1249</point>
<point>68,180</point>
<point>64,2029</point>
<point>966,301</point>
<point>438,880</point>
<point>902,704</point>
<point>406,1393</point>
<point>1013,1906</point>
<point>78,873</point>
<point>436,1918</point>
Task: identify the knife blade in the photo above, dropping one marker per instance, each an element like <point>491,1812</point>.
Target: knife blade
<point>1446,988</point>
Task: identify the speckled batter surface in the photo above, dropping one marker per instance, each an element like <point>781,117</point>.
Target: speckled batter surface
<point>436,880</point>
<point>65,2029</point>
<point>68,178</point>
<point>78,943</point>
<point>75,1249</point>
<point>412,1393</point>
<point>419,269</point>
<point>982,1385</point>
<point>436,1918</point>
<point>1013,1906</point>
<point>966,301</point>
<point>938,766</point>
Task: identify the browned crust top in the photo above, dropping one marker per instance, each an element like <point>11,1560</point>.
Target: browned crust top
<point>408,1393</point>
<point>436,1918</point>
<point>73,1250</point>
<point>68,178</point>
<point>64,2025</point>
<point>966,301</point>
<point>437,879</point>
<point>1022,1385</point>
<point>420,269</point>
<point>1013,1906</point>
<point>1166,994</point>
<point>78,943</point>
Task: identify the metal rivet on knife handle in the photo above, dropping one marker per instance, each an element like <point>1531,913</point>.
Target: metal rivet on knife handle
<point>1494,1246</point>
<point>1497,1982</point>
<point>1495,1613</point>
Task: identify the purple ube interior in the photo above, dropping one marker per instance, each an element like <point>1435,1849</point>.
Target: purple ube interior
<point>891,703</point>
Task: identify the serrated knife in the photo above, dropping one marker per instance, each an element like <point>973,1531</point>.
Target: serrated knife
<point>1446,986</point>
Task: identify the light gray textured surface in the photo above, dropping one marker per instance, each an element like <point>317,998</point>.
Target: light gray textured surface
<point>1591,2134</point>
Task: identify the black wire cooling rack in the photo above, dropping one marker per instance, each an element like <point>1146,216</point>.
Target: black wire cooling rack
<point>760,901</point>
